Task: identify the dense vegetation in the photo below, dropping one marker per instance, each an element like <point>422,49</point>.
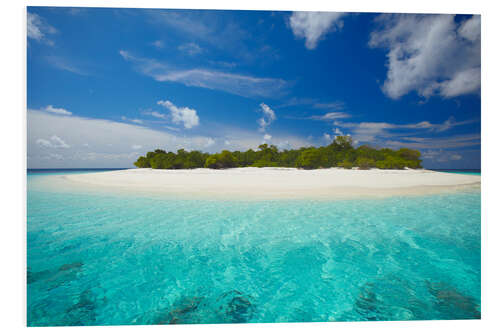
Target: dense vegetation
<point>340,153</point>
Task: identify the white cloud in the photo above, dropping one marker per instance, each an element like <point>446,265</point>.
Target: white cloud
<point>54,142</point>
<point>98,142</point>
<point>188,117</point>
<point>327,137</point>
<point>332,105</point>
<point>267,137</point>
<point>37,28</point>
<point>331,116</point>
<point>190,48</point>
<point>158,44</point>
<point>157,115</point>
<point>65,65</point>
<point>242,85</point>
<point>370,131</point>
<point>172,128</point>
<point>268,116</point>
<point>430,54</point>
<point>136,121</point>
<point>209,142</point>
<point>441,156</point>
<point>136,147</point>
<point>61,111</point>
<point>314,25</point>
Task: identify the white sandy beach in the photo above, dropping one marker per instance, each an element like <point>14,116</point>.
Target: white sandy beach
<point>279,182</point>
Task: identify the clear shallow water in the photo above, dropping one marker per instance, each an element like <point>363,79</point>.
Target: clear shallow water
<point>107,259</point>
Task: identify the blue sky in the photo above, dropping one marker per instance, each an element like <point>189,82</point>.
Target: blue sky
<point>107,85</point>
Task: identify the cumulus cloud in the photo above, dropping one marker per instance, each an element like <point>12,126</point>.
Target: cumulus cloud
<point>312,26</point>
<point>190,48</point>
<point>430,54</point>
<point>237,84</point>
<point>267,137</point>
<point>268,116</point>
<point>38,29</point>
<point>188,117</point>
<point>136,147</point>
<point>327,137</point>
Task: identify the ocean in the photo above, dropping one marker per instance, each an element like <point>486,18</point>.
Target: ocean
<point>122,259</point>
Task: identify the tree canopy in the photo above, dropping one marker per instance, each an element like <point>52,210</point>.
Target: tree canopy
<point>340,153</point>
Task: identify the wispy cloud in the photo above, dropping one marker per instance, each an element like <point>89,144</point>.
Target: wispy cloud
<point>441,155</point>
<point>430,54</point>
<point>313,26</point>
<point>52,109</point>
<point>331,116</point>
<point>313,103</point>
<point>338,105</point>
<point>456,141</point>
<point>159,44</point>
<point>219,29</point>
<point>238,84</point>
<point>190,48</point>
<point>65,65</point>
<point>135,120</point>
<point>38,29</point>
<point>413,135</point>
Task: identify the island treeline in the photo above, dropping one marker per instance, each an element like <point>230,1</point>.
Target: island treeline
<point>340,153</point>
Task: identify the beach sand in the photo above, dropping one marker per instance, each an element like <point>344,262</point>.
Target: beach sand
<point>278,183</point>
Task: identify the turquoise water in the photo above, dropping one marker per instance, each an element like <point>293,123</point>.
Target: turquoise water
<point>463,172</point>
<point>110,259</point>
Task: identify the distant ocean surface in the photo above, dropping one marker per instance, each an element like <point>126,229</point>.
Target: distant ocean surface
<point>460,171</point>
<point>119,259</point>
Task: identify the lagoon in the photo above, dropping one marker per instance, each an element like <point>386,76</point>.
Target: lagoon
<point>111,258</point>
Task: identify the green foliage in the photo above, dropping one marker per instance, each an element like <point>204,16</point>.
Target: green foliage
<point>346,164</point>
<point>365,163</point>
<point>142,162</point>
<point>222,160</point>
<point>340,153</point>
<point>309,159</point>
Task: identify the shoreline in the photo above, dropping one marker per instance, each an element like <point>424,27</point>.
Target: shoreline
<point>277,183</point>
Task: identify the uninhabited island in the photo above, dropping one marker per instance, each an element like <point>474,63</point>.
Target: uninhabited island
<point>340,153</point>
<point>336,171</point>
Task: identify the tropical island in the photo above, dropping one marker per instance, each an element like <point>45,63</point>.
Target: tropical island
<point>338,170</point>
<point>340,153</point>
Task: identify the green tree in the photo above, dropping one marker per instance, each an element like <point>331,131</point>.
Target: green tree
<point>142,162</point>
<point>365,163</point>
<point>309,159</point>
